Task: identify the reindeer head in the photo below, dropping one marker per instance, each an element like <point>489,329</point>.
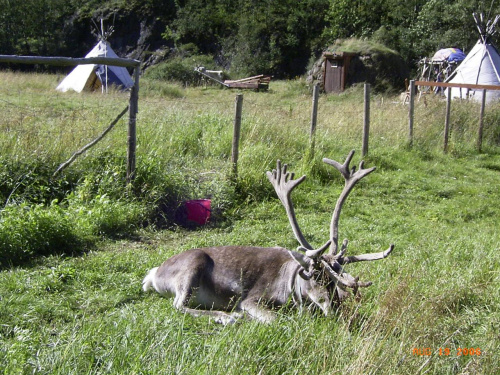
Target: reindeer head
<point>328,268</point>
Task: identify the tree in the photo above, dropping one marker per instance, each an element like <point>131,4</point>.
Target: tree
<point>246,36</point>
<point>204,23</point>
<point>443,23</point>
<point>276,37</point>
<point>33,27</point>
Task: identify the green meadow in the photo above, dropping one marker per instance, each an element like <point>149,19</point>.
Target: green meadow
<point>75,247</point>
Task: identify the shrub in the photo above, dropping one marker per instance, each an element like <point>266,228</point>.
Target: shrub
<point>30,180</point>
<point>37,230</point>
<point>181,69</point>
<point>26,231</point>
<point>102,216</point>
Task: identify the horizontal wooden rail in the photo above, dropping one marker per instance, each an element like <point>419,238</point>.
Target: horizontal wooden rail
<point>460,85</point>
<point>69,61</point>
<point>113,61</point>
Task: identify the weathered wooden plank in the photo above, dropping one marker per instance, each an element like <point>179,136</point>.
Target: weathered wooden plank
<point>247,79</point>
<point>461,85</point>
<point>244,85</point>
<point>69,61</point>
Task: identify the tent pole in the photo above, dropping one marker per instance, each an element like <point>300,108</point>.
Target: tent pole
<point>103,39</point>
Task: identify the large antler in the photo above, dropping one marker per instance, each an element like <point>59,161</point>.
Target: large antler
<point>332,263</point>
<point>284,183</point>
<point>351,177</point>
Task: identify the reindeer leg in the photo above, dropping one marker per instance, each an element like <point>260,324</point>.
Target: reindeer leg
<point>183,296</point>
<point>181,303</point>
<point>218,316</point>
<point>255,311</point>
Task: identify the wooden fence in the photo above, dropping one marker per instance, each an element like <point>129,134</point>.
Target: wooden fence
<point>133,101</point>
<point>411,111</point>
<point>448,86</point>
<point>133,108</point>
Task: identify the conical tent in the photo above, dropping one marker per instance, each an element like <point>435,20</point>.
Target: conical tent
<point>94,76</point>
<point>480,67</point>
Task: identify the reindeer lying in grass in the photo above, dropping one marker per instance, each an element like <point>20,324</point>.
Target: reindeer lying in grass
<point>230,281</point>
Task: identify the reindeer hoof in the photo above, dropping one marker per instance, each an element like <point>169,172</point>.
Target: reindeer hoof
<point>225,320</point>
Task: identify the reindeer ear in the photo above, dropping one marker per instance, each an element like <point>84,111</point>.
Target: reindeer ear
<point>301,259</point>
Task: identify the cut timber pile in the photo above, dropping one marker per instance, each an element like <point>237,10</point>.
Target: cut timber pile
<point>260,82</point>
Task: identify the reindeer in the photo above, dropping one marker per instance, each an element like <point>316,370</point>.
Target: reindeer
<point>229,282</point>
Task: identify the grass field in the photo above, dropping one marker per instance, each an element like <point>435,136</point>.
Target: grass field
<point>75,248</point>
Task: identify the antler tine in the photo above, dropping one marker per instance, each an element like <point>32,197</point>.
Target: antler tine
<point>351,177</point>
<point>345,280</point>
<point>366,257</point>
<point>283,183</point>
<point>342,168</point>
<point>342,281</point>
<point>314,253</point>
<point>343,249</point>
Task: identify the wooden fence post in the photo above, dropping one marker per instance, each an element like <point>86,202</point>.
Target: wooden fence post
<point>447,121</point>
<point>132,131</point>
<point>236,135</point>
<point>314,118</point>
<point>481,123</point>
<point>411,113</point>
<point>366,121</point>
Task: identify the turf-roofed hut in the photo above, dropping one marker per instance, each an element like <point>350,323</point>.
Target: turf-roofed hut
<point>353,61</point>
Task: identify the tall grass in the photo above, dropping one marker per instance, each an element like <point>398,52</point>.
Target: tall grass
<point>74,249</point>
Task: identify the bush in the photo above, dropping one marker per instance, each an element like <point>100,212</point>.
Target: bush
<point>37,230</point>
<point>102,216</point>
<point>32,225</point>
<point>181,69</point>
<point>30,180</point>
<point>26,231</point>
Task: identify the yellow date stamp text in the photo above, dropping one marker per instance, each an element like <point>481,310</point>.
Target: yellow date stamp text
<point>446,351</point>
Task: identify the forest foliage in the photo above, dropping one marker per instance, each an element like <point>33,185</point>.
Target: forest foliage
<point>278,37</point>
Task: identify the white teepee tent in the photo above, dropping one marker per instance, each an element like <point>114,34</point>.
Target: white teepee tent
<point>480,67</point>
<point>92,77</point>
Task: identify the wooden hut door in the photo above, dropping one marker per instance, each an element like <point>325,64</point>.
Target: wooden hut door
<point>334,75</point>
